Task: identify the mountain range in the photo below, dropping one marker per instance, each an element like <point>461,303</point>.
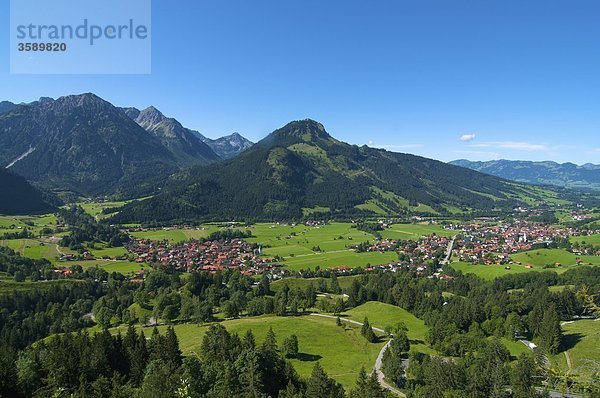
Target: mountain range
<point>187,144</point>
<point>300,169</point>
<point>566,175</point>
<point>86,145</point>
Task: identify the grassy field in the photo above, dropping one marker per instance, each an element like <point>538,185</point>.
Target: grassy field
<point>174,235</point>
<point>536,258</point>
<point>590,239</point>
<point>383,315</point>
<point>300,239</point>
<point>337,259</point>
<point>11,224</point>
<point>316,337</point>
<point>414,231</point>
<point>490,272</point>
<point>582,340</point>
<point>122,267</point>
<point>8,284</point>
<point>295,243</point>
<point>33,248</point>
<point>551,256</point>
<point>515,348</point>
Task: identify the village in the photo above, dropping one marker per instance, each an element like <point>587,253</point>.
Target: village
<point>211,256</point>
<point>493,244</point>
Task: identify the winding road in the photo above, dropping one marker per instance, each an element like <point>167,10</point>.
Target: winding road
<point>379,360</point>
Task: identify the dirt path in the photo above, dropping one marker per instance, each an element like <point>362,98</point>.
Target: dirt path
<point>569,364</point>
<point>378,361</point>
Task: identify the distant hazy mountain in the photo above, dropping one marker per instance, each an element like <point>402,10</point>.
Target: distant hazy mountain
<point>6,106</point>
<point>187,147</point>
<point>566,175</point>
<point>83,144</point>
<point>17,196</point>
<point>300,167</point>
<point>229,146</point>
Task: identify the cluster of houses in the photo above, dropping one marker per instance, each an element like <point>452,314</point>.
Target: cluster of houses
<point>493,244</point>
<point>209,256</point>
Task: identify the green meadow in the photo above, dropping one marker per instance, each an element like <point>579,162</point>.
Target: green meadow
<point>490,272</point>
<point>536,258</point>
<point>582,342</point>
<point>590,239</point>
<point>543,257</point>
<point>295,245</point>
<point>8,284</point>
<point>110,266</point>
<point>341,360</point>
<point>304,247</point>
<point>415,231</point>
<point>175,235</point>
<point>35,224</point>
<point>34,248</point>
<point>383,315</point>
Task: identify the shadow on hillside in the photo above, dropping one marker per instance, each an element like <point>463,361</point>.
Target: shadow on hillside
<point>570,340</point>
<point>304,357</point>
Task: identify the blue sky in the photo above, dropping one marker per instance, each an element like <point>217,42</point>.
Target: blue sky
<point>444,79</point>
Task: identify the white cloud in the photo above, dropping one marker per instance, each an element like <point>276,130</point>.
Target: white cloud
<point>467,137</point>
<point>516,145</point>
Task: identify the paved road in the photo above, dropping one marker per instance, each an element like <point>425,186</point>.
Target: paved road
<point>378,361</point>
<point>448,252</point>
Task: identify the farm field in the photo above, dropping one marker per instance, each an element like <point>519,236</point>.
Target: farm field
<point>337,259</point>
<point>490,272</point>
<point>341,360</point>
<point>95,209</point>
<point>34,248</point>
<point>122,267</point>
<point>415,231</point>
<point>582,339</point>
<point>35,224</point>
<point>590,239</point>
<point>300,239</point>
<point>111,252</point>
<point>537,258</point>
<point>8,284</point>
<point>174,235</point>
<point>542,257</point>
<point>295,243</point>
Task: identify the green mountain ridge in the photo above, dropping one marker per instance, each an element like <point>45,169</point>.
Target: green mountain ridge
<point>17,196</point>
<point>566,175</point>
<point>300,166</point>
